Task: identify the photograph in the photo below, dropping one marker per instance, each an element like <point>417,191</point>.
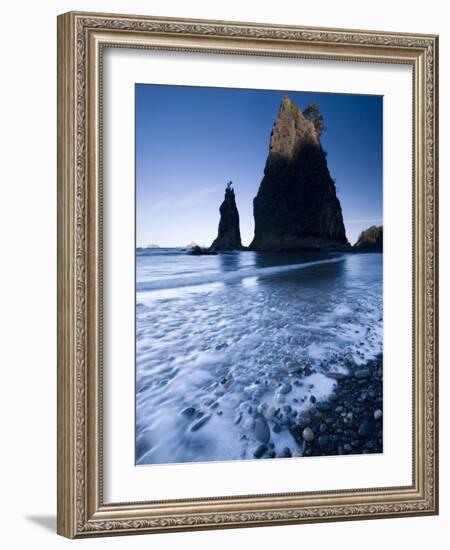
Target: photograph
<point>258,274</point>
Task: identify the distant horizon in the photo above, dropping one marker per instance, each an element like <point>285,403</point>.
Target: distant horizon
<point>190,141</point>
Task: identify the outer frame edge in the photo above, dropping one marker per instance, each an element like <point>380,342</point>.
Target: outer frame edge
<point>65,400</point>
<point>67,396</point>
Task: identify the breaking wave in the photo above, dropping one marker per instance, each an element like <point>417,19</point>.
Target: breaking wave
<point>203,279</point>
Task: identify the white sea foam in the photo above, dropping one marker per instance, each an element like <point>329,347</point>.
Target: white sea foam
<point>224,346</point>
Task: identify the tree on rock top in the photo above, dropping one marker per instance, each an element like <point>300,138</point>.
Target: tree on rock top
<point>312,113</point>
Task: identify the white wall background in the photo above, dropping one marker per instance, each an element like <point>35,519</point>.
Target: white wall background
<point>28,272</point>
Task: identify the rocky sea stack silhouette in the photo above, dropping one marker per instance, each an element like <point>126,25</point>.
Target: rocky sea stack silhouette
<point>296,207</point>
<point>370,240</point>
<point>228,234</point>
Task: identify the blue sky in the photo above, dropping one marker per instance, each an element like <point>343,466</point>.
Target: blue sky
<point>190,141</point>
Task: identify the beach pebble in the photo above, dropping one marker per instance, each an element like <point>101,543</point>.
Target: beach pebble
<point>285,453</point>
<point>285,388</point>
<point>262,431</point>
<point>188,412</point>
<point>336,375</point>
<point>308,434</point>
<point>362,373</point>
<point>249,390</point>
<point>323,439</point>
<point>304,420</point>
<point>259,451</point>
<point>313,398</point>
<point>280,398</point>
<point>227,383</point>
<point>262,408</point>
<point>197,425</point>
<point>259,393</point>
<point>276,428</point>
<point>365,428</point>
<point>323,406</point>
<point>249,423</point>
<point>378,414</point>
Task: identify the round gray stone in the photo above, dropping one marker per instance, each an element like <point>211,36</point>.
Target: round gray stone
<point>308,434</point>
<point>378,414</point>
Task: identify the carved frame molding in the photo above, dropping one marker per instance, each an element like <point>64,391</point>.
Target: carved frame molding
<point>81,39</point>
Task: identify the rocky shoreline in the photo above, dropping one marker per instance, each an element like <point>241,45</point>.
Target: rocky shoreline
<point>349,421</point>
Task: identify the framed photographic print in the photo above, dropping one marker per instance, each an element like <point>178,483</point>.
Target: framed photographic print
<point>247,288</point>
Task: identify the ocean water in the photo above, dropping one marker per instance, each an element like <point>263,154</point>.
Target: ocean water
<point>219,340</point>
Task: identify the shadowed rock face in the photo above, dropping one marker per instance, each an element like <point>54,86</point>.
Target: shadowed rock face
<point>228,235</point>
<point>296,206</point>
<point>370,240</point>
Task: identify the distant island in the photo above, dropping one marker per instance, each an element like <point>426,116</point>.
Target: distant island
<point>296,207</point>
<point>153,246</point>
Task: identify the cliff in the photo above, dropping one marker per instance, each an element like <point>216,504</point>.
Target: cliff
<point>228,234</point>
<point>370,240</point>
<point>296,206</point>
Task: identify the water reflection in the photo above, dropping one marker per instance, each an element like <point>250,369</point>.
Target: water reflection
<point>317,275</point>
<point>230,261</point>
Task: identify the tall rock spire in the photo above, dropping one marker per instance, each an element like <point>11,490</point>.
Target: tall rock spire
<point>296,206</point>
<point>228,235</point>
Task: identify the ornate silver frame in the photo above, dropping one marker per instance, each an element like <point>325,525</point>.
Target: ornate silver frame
<point>81,39</point>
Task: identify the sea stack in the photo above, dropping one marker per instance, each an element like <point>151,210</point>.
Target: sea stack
<point>370,240</point>
<point>228,234</point>
<point>296,207</point>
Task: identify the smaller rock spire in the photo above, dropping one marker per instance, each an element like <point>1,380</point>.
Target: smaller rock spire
<point>228,234</point>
